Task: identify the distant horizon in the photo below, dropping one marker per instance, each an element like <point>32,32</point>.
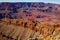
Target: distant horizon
<point>44,1</point>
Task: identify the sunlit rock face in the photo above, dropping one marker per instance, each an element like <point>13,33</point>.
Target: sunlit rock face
<point>29,21</point>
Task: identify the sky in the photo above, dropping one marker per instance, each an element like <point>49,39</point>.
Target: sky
<point>45,1</point>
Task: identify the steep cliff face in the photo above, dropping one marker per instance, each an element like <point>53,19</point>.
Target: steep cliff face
<point>14,29</point>
<point>29,21</point>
